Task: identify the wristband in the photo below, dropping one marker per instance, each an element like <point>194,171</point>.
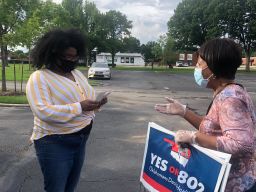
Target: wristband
<point>194,138</point>
<point>184,110</point>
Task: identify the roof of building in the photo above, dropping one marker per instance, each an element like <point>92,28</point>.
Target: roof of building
<point>122,54</point>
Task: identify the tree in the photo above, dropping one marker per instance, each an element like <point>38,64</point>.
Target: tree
<point>170,53</point>
<point>12,13</point>
<point>130,45</point>
<point>39,21</point>
<point>92,25</point>
<point>157,52</point>
<point>162,41</point>
<point>73,13</point>
<point>152,52</point>
<point>191,25</point>
<point>117,27</point>
<point>146,50</point>
<point>85,16</point>
<point>237,19</point>
<point>196,21</point>
<point>18,54</point>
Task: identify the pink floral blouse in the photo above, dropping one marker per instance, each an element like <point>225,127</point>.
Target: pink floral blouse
<point>232,119</point>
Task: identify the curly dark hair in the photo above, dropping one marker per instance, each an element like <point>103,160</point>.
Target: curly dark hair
<point>51,46</point>
<point>223,57</point>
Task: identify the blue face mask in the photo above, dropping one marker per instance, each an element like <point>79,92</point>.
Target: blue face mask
<point>199,78</point>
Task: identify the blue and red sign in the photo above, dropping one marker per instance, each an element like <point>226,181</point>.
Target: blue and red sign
<point>167,167</point>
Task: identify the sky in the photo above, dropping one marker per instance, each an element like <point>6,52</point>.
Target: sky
<point>149,17</point>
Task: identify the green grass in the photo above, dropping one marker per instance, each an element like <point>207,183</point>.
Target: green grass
<point>14,99</point>
<point>9,72</point>
<point>23,100</point>
<point>26,72</point>
<point>241,70</point>
<point>176,70</point>
<point>155,69</point>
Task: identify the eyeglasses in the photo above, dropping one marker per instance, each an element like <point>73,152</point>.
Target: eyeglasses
<point>70,57</point>
<point>202,66</point>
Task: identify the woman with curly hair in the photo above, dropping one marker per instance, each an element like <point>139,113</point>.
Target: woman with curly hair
<point>63,105</point>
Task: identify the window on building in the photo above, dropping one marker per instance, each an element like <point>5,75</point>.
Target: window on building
<point>122,59</point>
<point>109,59</point>
<point>127,60</point>
<point>132,60</point>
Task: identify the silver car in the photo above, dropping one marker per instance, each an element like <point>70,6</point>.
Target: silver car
<point>99,70</point>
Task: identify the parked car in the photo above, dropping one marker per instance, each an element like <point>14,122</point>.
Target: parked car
<point>179,63</point>
<point>185,64</point>
<point>99,70</point>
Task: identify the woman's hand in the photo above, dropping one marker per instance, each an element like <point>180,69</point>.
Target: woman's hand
<point>103,101</point>
<point>172,108</point>
<point>90,105</point>
<point>183,136</point>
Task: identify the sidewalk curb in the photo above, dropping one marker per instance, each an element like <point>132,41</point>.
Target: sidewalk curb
<point>13,105</point>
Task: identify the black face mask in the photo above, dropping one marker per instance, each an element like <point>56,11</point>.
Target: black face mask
<point>66,65</point>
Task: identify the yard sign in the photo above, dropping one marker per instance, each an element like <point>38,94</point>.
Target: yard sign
<point>170,168</point>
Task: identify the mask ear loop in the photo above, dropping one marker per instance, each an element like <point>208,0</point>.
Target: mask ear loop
<point>211,76</point>
<point>205,68</point>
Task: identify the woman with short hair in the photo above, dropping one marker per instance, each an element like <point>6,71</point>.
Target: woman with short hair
<point>229,125</point>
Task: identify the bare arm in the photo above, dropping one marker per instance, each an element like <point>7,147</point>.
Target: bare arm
<point>202,139</point>
<point>193,118</point>
<point>206,141</point>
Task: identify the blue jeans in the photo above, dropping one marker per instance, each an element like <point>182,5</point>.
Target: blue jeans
<point>61,159</point>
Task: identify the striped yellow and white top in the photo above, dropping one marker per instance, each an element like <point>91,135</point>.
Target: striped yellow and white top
<point>55,102</point>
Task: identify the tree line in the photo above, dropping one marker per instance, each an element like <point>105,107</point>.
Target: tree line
<point>196,21</point>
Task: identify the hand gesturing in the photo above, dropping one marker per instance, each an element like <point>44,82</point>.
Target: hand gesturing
<point>173,107</point>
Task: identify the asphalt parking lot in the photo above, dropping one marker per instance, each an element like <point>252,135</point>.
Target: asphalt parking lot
<point>116,145</point>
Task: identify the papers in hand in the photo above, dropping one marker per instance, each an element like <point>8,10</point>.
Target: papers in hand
<point>102,95</point>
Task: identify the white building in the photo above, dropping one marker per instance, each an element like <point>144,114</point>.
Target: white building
<point>129,59</point>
